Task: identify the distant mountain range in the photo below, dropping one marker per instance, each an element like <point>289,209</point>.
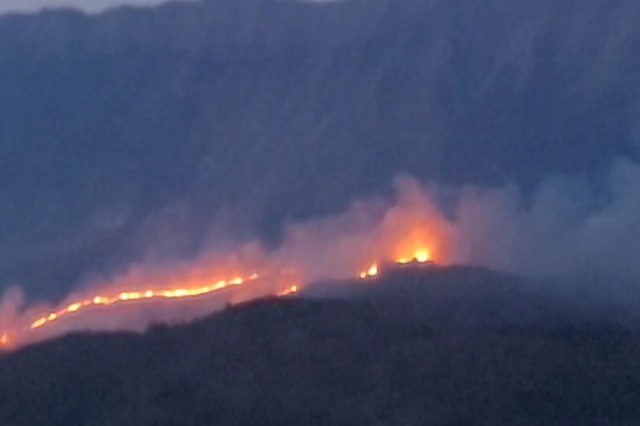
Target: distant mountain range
<point>453,346</point>
<point>248,113</point>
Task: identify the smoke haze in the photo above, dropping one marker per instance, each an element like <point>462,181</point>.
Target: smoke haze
<point>143,144</point>
<point>558,229</point>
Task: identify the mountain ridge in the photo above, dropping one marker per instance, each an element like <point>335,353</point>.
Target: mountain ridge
<point>356,360</point>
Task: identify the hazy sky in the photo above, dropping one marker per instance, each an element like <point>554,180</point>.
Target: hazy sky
<point>159,135</point>
<point>86,5</point>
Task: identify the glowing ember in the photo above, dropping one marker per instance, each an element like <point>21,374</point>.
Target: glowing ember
<point>373,271</point>
<point>133,296</point>
<point>420,256</point>
<point>289,291</point>
<point>369,273</point>
<point>423,256</point>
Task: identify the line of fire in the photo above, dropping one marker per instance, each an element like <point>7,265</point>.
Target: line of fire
<point>13,339</point>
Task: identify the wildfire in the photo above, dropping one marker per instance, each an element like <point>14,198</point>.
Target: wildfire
<point>9,339</point>
<point>420,256</point>
<point>370,273</point>
<point>134,296</point>
<point>289,291</point>
<point>130,297</point>
<point>403,238</point>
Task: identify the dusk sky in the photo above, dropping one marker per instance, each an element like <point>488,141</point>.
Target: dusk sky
<point>146,136</point>
<point>90,6</point>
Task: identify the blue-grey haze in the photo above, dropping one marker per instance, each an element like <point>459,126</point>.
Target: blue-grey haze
<point>164,128</point>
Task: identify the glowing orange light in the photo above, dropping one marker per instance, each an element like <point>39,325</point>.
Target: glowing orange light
<point>404,237</point>
<point>422,256</point>
<point>419,256</point>
<point>289,291</point>
<point>75,307</point>
<point>369,273</point>
<point>39,323</point>
<point>131,296</point>
<point>373,271</point>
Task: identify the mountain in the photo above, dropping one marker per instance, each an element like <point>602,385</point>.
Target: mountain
<point>246,114</point>
<point>454,346</point>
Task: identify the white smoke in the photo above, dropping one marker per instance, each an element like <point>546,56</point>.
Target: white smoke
<point>566,227</point>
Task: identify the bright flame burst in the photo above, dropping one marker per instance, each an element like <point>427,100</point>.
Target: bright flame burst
<point>420,256</point>
<point>370,273</point>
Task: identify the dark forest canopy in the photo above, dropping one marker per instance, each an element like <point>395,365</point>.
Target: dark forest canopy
<point>448,347</point>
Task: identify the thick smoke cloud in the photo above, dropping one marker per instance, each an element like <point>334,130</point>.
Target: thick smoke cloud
<point>104,186</point>
<point>568,226</point>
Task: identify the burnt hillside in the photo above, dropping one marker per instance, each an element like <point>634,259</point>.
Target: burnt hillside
<point>437,347</point>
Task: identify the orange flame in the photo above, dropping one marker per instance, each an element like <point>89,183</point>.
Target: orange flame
<point>289,291</point>
<point>133,296</point>
<point>373,271</point>
<point>129,297</point>
<point>419,256</point>
<point>409,232</point>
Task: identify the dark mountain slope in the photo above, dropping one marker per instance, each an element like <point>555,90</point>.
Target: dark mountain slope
<point>496,351</point>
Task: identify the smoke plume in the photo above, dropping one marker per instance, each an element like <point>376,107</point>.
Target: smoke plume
<point>567,226</point>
